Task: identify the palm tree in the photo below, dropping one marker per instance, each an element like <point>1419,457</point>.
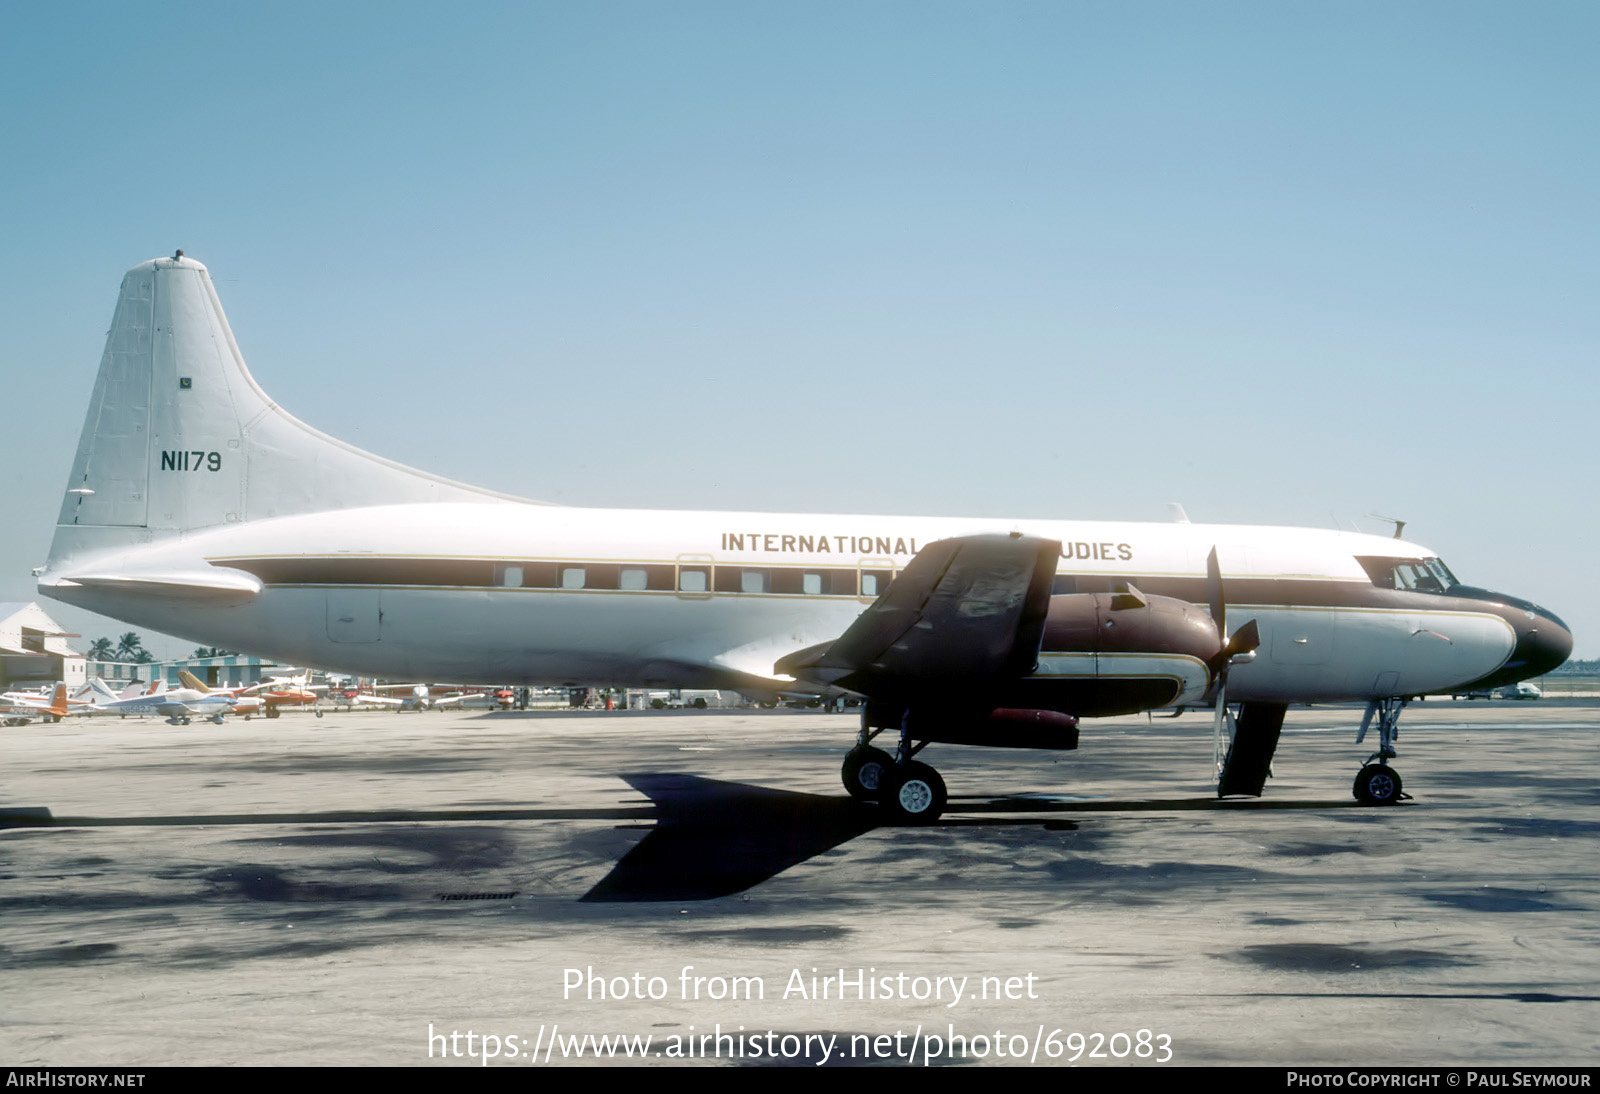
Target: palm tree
<point>128,646</point>
<point>101,649</point>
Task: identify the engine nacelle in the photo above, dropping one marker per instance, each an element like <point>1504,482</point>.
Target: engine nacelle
<point>1121,653</point>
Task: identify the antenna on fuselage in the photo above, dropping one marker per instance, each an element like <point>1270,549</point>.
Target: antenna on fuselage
<point>1399,525</point>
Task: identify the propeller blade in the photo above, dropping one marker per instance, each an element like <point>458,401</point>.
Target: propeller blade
<point>1219,607</point>
<point>1217,719</point>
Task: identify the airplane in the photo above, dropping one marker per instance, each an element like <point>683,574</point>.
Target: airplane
<point>414,697</point>
<point>420,698</point>
<point>177,705</point>
<point>20,706</point>
<point>243,703</point>
<point>198,507</point>
<point>269,695</point>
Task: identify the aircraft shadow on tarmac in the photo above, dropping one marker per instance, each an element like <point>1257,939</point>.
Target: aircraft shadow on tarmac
<point>715,838</point>
<point>711,838</point>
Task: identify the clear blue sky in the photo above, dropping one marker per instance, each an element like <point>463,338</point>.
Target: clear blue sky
<point>1285,263</point>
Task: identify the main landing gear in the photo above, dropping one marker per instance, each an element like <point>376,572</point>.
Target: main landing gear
<point>909,791</point>
<point>864,768</point>
<point>1377,783</point>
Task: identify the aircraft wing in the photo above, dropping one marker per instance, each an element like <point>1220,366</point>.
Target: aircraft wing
<point>966,611</point>
<point>380,700</point>
<point>455,700</point>
<point>17,701</point>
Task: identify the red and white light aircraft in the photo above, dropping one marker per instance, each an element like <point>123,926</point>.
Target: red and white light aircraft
<point>198,507</point>
<point>20,706</point>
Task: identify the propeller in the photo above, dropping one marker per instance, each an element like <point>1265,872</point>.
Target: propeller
<point>1245,640</point>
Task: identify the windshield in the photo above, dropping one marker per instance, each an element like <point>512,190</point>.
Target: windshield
<point>1423,575</point>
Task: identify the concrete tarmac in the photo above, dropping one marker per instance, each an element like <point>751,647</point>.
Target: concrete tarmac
<point>370,887</point>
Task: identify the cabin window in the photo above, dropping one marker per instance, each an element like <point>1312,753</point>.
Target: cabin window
<point>572,577</point>
<point>874,582</point>
<point>509,576</point>
<point>694,579</point>
<point>811,583</point>
<point>634,579</point>
<point>753,580</point>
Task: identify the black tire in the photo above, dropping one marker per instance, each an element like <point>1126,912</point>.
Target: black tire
<point>274,712</point>
<point>912,793</point>
<point>863,771</point>
<point>1377,784</point>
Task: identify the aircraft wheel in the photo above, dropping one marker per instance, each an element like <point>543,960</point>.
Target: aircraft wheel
<point>912,793</point>
<point>863,771</point>
<point>274,712</point>
<point>217,718</point>
<point>1377,784</point>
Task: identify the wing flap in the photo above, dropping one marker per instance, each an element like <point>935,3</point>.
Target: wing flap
<point>967,611</point>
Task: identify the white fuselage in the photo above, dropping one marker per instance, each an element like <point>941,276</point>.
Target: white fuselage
<point>540,594</point>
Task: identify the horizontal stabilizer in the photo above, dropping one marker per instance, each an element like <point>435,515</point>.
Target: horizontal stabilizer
<point>213,584</point>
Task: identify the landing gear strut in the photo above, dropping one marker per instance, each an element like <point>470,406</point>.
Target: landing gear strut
<point>1377,783</point>
<point>864,765</point>
<point>907,791</point>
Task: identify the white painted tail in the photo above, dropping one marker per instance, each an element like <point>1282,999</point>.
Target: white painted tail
<point>180,438</point>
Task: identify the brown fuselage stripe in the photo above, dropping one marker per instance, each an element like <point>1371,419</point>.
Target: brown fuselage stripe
<point>460,573</point>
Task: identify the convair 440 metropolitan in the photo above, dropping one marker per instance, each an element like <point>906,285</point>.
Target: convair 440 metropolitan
<point>199,508</point>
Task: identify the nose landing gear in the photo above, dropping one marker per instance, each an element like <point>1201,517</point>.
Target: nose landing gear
<point>1377,783</point>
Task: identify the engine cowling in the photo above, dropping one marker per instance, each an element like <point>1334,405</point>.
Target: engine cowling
<point>1123,652</point>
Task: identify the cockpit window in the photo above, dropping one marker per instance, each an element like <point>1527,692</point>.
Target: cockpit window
<point>1423,575</point>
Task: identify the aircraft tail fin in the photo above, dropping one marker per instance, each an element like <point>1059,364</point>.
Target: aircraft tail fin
<point>180,438</point>
<point>192,682</point>
<point>58,702</point>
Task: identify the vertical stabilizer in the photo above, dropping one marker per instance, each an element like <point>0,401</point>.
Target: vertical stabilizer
<point>179,437</point>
